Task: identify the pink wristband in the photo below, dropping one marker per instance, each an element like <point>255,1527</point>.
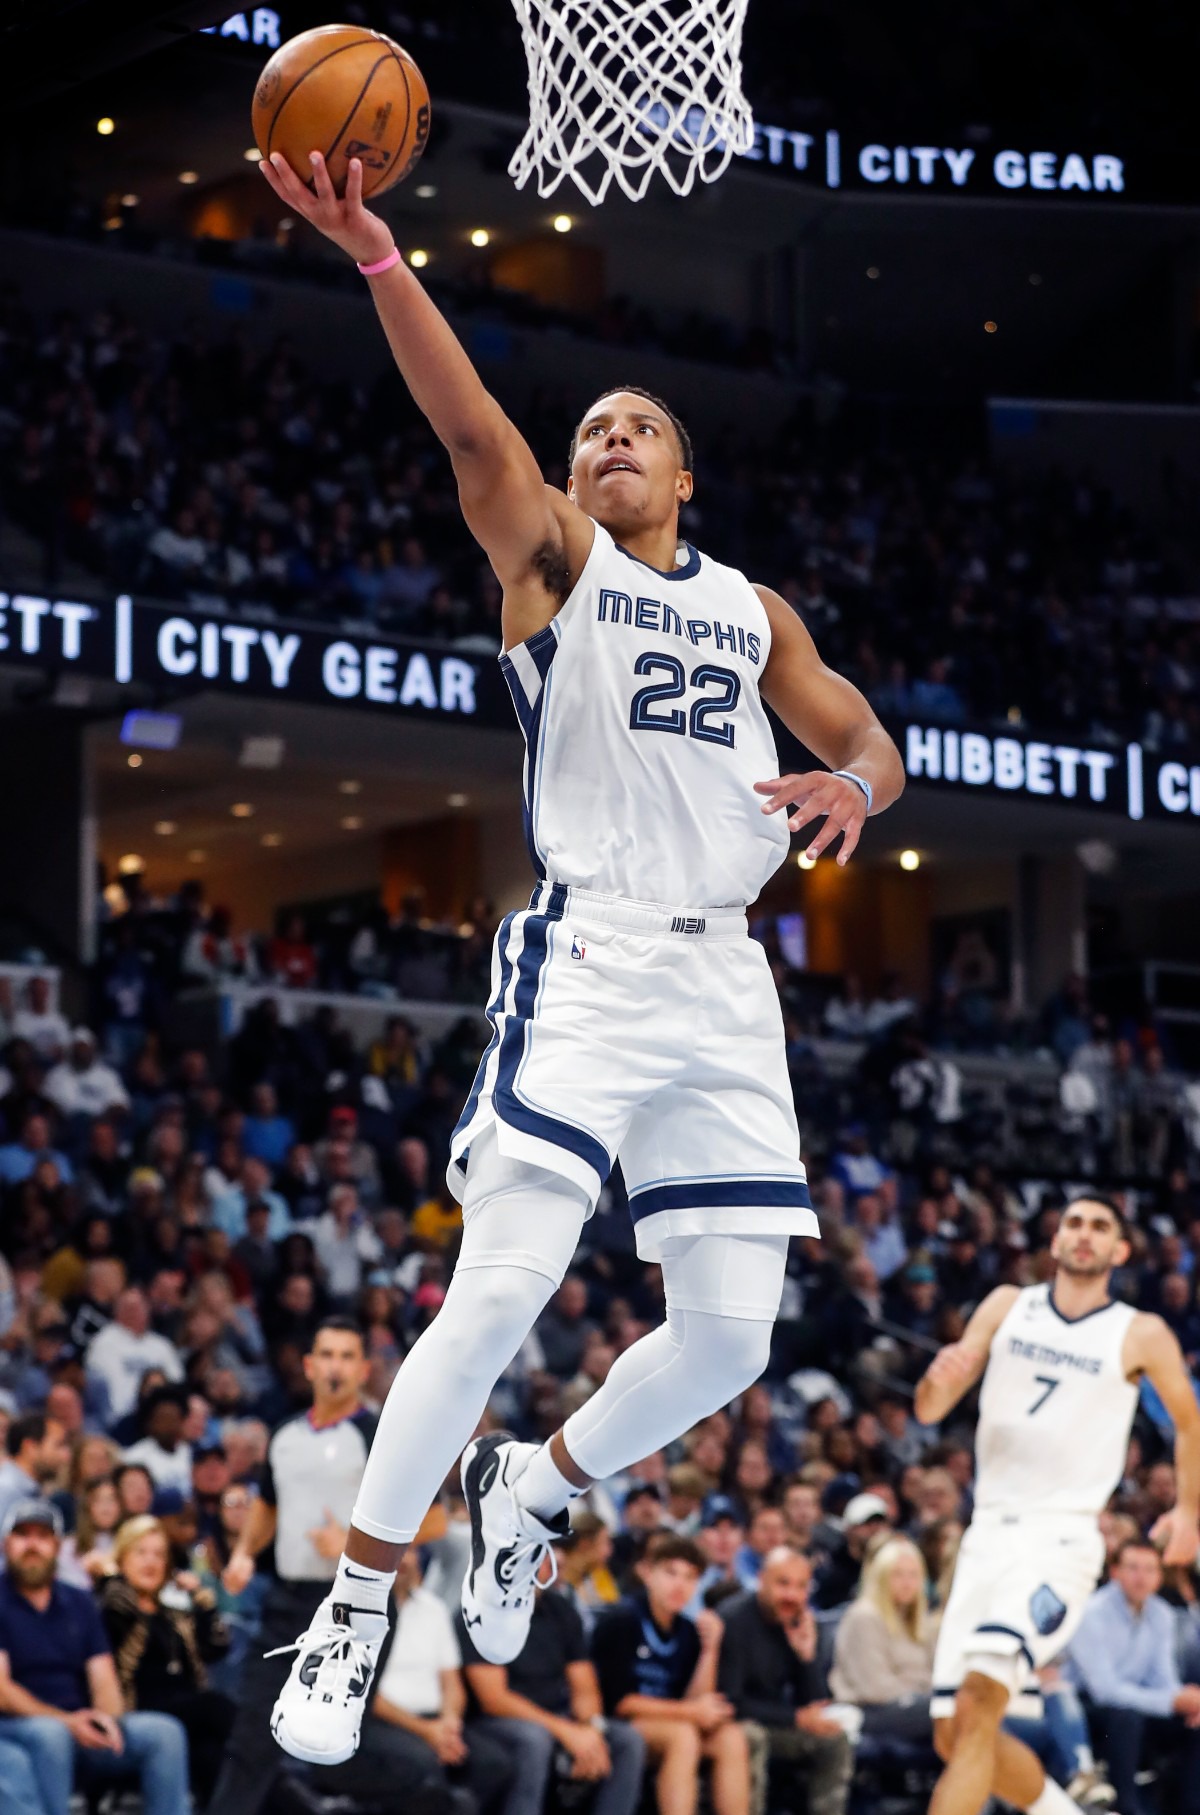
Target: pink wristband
<point>385,264</point>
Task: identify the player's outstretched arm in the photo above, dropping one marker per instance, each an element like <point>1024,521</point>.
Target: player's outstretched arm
<point>833,720</point>
<point>1152,1349</point>
<point>955,1369</point>
<point>509,509</point>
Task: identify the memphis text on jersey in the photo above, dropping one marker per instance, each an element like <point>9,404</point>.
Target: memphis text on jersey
<point>1042,1353</point>
<point>651,614</point>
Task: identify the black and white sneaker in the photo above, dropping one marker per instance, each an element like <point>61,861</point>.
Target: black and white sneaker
<point>508,1547</point>
<point>319,1711</point>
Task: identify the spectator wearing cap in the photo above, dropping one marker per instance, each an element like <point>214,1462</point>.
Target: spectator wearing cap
<point>641,1515</point>
<point>161,1450</point>
<point>341,1154</point>
<point>126,1348</point>
<point>60,1699</point>
<point>769,1674</point>
<point>864,1518</point>
<point>720,1537</point>
<point>82,1085</point>
<point>20,1159</point>
<point>38,1451</point>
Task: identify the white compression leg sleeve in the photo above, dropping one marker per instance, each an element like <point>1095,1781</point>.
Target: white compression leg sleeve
<point>521,1227</point>
<point>723,1293</point>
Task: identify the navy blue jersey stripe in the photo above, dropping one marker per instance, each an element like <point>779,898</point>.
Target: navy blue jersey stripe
<point>530,967</point>
<point>1012,1633</point>
<point>524,710</point>
<point>493,1009</point>
<point>542,647</point>
<point>704,1194</point>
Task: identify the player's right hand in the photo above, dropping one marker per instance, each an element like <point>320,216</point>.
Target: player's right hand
<point>343,219</point>
<point>954,1364</point>
<point>237,1573</point>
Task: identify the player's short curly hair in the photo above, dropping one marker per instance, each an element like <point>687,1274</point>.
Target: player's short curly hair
<point>686,455</point>
<point>1106,1202</point>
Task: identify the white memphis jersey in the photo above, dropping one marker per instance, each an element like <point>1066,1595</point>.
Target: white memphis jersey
<point>1055,1409</point>
<point>645,733</point>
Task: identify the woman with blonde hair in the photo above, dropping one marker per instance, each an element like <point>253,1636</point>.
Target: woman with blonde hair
<point>883,1654</point>
<point>162,1643</point>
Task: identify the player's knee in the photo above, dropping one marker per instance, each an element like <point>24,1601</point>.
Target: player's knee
<point>737,1350</point>
<point>980,1702</point>
<point>493,1311</point>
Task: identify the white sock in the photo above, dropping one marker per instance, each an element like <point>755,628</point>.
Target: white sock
<point>366,1592</point>
<point>1052,1801</point>
<point>542,1489</point>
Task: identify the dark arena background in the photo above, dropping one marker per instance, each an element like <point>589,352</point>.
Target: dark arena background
<point>936,339</point>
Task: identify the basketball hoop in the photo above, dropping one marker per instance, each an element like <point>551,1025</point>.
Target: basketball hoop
<point>624,88</point>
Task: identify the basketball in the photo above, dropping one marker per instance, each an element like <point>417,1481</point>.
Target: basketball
<point>348,93</point>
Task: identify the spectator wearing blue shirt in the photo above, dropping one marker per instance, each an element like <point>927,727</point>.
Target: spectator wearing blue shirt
<point>859,1172</point>
<point>60,1700</point>
<point>1122,1659</point>
<point>19,1158</point>
<point>267,1135</point>
<point>253,1185</point>
<point>882,1241</point>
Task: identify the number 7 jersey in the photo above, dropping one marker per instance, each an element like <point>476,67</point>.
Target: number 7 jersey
<point>645,733</point>
<point>1055,1409</point>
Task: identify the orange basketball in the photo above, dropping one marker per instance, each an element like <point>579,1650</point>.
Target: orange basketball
<point>349,93</point>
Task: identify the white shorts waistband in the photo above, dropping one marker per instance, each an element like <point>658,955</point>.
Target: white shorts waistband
<point>558,900</point>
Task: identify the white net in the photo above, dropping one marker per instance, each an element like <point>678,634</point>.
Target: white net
<point>623,88</point>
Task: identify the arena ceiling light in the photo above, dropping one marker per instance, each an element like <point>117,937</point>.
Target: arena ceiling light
<point>272,839</point>
<point>806,862</point>
<point>196,856</point>
<point>261,752</point>
<point>165,828</point>
<point>563,223</point>
<point>418,258</point>
<point>351,823</point>
<point>189,176</point>
<point>105,126</point>
<point>456,800</point>
<point>910,860</point>
<point>242,809</point>
<point>426,191</point>
<point>480,237</point>
<point>131,864</point>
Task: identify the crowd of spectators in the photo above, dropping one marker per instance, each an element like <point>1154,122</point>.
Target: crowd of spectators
<point>945,590</point>
<point>176,1222</point>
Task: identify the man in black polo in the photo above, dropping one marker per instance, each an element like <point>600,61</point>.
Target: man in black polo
<point>768,1671</point>
<point>311,1477</point>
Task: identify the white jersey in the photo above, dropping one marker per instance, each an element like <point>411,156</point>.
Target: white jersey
<point>1055,1409</point>
<point>645,733</point>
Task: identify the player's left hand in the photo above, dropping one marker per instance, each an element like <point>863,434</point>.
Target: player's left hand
<point>1178,1536</point>
<point>817,795</point>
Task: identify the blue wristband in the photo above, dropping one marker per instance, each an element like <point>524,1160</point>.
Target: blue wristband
<point>849,775</point>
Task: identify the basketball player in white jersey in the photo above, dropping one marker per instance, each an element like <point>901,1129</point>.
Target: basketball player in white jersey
<point>1061,1365</point>
<point>631,1012</point>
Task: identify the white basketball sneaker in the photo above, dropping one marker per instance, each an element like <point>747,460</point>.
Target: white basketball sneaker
<point>508,1547</point>
<point>318,1715</point>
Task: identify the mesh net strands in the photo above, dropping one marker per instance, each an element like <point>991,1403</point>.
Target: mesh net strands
<point>624,88</point>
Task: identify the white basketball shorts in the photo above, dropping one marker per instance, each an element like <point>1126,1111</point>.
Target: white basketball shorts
<point>625,1028</point>
<point>1020,1586</point>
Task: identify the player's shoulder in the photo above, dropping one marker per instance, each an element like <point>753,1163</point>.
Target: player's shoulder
<point>1001,1299</point>
<point>1148,1335</point>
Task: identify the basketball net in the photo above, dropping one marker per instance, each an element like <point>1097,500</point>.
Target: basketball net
<point>625,88</point>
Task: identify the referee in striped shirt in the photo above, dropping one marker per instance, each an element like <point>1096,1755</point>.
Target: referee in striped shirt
<point>310,1481</point>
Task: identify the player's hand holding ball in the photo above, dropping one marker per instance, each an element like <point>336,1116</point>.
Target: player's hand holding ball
<point>340,113</point>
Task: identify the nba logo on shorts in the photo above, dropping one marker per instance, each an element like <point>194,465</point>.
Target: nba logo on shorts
<point>578,946</point>
<point>1047,1609</point>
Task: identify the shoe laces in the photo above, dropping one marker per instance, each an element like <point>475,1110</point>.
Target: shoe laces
<point>523,1563</point>
<point>346,1658</point>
